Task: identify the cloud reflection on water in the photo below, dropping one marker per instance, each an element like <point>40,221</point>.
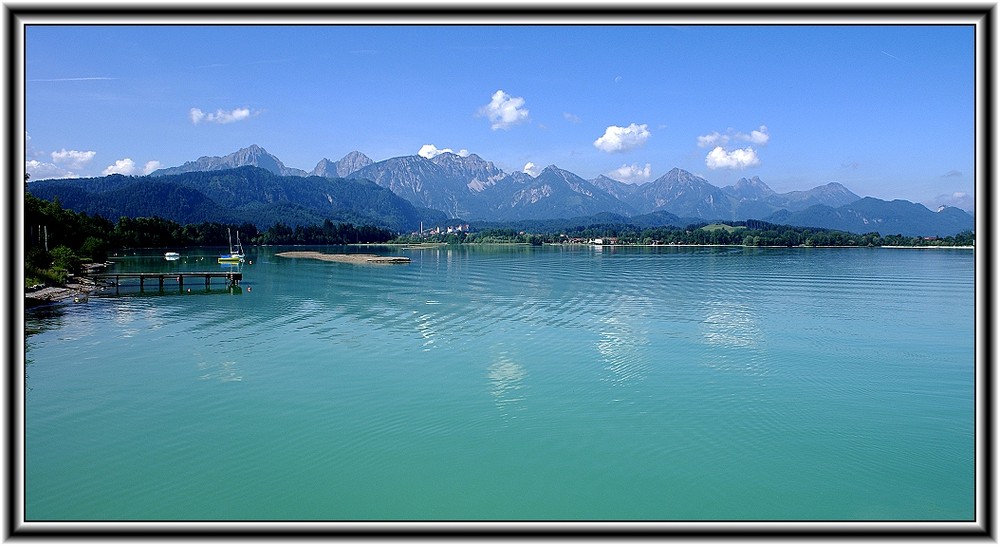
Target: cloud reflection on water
<point>506,382</point>
<point>733,331</point>
<point>623,340</point>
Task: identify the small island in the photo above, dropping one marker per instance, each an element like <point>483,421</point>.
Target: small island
<point>345,258</point>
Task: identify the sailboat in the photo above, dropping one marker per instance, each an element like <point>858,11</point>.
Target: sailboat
<point>234,256</point>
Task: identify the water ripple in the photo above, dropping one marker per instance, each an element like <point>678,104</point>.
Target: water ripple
<point>479,382</point>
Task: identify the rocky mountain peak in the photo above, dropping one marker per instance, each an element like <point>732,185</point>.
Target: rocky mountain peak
<point>325,167</point>
<point>620,190</point>
<point>750,188</point>
<point>252,155</point>
<point>836,189</point>
<point>352,162</point>
<point>256,156</point>
<point>679,177</point>
<point>356,156</point>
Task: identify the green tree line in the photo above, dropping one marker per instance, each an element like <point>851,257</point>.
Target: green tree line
<point>745,233</point>
<point>58,241</point>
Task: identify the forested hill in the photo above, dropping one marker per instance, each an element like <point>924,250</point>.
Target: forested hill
<point>244,194</point>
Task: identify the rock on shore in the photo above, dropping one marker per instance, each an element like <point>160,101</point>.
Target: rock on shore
<point>50,294</point>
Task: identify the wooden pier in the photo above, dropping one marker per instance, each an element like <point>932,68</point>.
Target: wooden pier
<point>232,277</point>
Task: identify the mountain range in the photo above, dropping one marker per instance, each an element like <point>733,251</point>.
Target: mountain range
<point>237,195</point>
<point>401,192</point>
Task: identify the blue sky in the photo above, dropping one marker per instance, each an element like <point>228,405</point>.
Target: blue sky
<point>888,111</point>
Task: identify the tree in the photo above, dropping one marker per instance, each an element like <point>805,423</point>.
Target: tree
<point>65,259</point>
<point>95,249</point>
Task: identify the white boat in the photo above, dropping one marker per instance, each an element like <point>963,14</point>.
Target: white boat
<point>172,256</point>
<point>235,256</point>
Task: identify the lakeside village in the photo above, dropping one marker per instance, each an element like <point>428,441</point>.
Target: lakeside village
<point>438,230</point>
<point>563,238</point>
<point>428,235</point>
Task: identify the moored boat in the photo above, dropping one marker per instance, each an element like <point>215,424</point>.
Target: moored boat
<point>235,256</point>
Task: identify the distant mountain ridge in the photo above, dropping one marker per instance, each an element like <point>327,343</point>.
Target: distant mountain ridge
<point>343,167</point>
<point>480,173</point>
<point>471,188</point>
<point>554,193</point>
<point>253,155</point>
<point>684,194</point>
<point>244,194</point>
<point>886,217</point>
<point>420,181</point>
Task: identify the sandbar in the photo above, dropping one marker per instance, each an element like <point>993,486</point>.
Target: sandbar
<point>345,258</point>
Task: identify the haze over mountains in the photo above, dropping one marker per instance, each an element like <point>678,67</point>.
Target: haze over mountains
<point>470,188</point>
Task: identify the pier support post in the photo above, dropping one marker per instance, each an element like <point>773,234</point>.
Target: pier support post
<point>231,278</point>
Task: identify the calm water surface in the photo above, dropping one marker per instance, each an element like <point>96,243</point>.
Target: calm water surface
<point>514,383</point>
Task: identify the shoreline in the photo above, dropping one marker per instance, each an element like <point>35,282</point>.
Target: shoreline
<point>966,247</point>
<point>69,292</point>
<point>419,246</point>
<point>76,291</point>
<point>959,247</point>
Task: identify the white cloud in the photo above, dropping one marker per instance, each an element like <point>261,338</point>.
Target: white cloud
<point>719,158</point>
<point>572,118</point>
<point>41,171</point>
<point>430,150</point>
<point>220,116</point>
<point>531,168</point>
<point>504,111</point>
<point>713,139</point>
<point>620,139</point>
<point>958,199</point>
<point>151,166</point>
<point>122,166</point>
<point>633,174</point>
<point>72,159</point>
<point>29,148</point>
<point>758,136</point>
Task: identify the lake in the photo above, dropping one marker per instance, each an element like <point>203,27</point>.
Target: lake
<point>513,383</point>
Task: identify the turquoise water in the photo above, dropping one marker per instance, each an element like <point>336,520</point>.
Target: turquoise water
<point>514,383</point>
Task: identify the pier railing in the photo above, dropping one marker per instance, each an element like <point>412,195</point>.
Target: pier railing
<point>231,277</point>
